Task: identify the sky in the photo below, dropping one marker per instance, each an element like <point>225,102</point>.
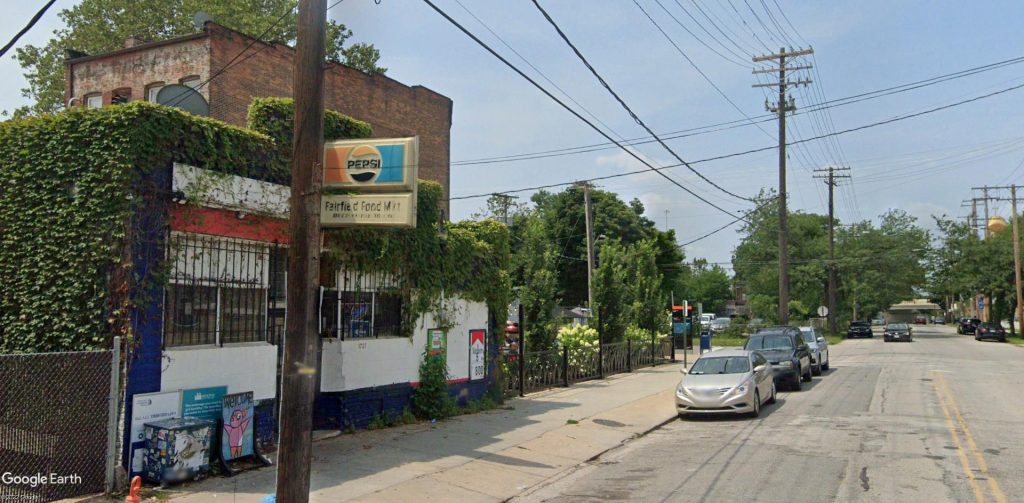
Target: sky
<point>925,165</point>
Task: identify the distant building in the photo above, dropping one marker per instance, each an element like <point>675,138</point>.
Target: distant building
<point>246,68</point>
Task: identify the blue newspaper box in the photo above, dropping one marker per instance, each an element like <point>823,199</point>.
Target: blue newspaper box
<point>705,341</point>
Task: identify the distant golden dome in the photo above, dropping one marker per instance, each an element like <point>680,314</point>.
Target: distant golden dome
<point>996,224</point>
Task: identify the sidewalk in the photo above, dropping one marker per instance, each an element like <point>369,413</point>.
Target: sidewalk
<point>490,456</point>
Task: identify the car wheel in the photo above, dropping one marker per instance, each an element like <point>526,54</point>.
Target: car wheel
<point>816,369</point>
<point>826,365</point>
<point>808,375</point>
<point>977,338</point>
<point>796,384</point>
<point>1002,339</point>
<point>757,404</point>
<point>771,399</point>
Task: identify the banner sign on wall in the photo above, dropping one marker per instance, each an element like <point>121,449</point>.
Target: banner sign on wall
<point>477,354</point>
<point>203,403</point>
<point>149,408</point>
<point>237,434</point>
<point>437,341</point>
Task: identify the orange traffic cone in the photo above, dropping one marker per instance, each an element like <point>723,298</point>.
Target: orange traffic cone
<point>134,491</point>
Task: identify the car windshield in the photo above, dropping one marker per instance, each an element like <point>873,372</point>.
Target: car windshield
<point>721,365</point>
<point>808,336</point>
<point>859,324</point>
<point>989,324</point>
<point>897,326</point>
<point>770,342</point>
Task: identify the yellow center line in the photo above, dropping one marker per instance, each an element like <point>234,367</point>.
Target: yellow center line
<point>992,482</point>
<point>964,463</point>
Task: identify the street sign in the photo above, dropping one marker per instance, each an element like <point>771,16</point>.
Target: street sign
<point>822,311</point>
<point>981,303</point>
<point>373,210</point>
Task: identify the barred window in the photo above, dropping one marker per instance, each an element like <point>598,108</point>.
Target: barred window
<point>218,291</point>
<point>366,306</point>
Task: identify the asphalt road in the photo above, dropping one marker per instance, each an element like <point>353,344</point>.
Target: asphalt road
<point>938,419</point>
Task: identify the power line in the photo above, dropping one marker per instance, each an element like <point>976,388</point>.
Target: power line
<point>569,109</point>
<point>828,104</point>
<point>754,150</point>
<point>31,22</point>
<point>694,65</point>
<point>739,59</point>
<point>629,110</point>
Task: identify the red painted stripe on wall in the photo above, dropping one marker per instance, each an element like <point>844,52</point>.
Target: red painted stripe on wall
<point>221,222</point>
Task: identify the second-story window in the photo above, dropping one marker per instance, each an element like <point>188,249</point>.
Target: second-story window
<point>153,90</point>
<point>121,96</point>
<point>191,81</point>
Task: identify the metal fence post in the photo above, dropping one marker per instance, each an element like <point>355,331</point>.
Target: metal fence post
<point>673,346</point>
<point>629,355</point>
<point>654,362</point>
<point>600,344</point>
<point>522,352</point>
<point>565,366</point>
<point>113,401</point>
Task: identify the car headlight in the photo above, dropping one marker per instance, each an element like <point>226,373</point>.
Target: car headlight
<point>784,364</point>
<point>742,388</point>
<point>681,389</point>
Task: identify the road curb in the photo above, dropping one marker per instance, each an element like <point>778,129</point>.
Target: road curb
<point>578,466</point>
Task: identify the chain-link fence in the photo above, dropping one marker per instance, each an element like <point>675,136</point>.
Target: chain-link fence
<point>55,415</point>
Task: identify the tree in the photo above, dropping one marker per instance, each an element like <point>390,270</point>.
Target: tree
<point>613,219</point>
<point>534,262</point>
<point>708,284</point>
<point>98,26</point>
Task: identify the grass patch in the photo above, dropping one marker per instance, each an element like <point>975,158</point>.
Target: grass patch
<point>726,340</point>
<point>834,339</point>
<point>571,421</point>
<point>1017,341</point>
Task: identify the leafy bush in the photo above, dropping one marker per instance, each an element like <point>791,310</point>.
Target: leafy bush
<point>431,399</point>
<point>577,336</point>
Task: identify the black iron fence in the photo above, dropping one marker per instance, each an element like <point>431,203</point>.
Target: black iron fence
<point>56,424</point>
<point>539,370</point>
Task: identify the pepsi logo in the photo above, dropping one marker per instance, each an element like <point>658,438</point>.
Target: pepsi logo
<point>363,164</point>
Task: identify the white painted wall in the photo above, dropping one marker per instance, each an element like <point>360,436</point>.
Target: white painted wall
<point>220,190</point>
<point>362,363</point>
<point>247,366</point>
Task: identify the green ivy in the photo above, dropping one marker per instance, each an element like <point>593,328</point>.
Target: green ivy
<point>275,117</point>
<point>472,262</point>
<point>67,189</point>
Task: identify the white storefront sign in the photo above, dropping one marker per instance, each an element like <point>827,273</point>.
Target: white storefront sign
<point>382,210</point>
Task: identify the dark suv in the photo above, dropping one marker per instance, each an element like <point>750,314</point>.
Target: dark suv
<point>859,329</point>
<point>967,326</point>
<point>785,349</point>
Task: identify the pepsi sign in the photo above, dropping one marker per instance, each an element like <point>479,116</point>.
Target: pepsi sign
<point>372,165</point>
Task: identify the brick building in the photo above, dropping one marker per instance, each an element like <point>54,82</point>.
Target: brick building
<point>246,68</point>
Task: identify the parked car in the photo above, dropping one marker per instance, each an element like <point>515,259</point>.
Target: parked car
<point>719,324</point>
<point>726,380</point>
<point>990,330</point>
<point>939,320</point>
<point>819,349</point>
<point>705,319</point>
<point>859,329</point>
<point>967,325</point>
<point>878,322</point>
<point>786,351</point>
<point>898,332</point>
<point>920,320</point>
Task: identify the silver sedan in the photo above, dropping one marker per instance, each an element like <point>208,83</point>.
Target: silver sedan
<point>726,381</point>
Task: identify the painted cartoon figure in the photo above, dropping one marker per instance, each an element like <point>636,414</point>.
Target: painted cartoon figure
<point>236,430</point>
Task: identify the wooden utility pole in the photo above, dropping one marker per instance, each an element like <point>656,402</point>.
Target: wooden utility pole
<point>1016,251</point>
<point>588,216</point>
<point>781,108</point>
<point>830,180</point>
<point>506,201</point>
<point>302,342</point>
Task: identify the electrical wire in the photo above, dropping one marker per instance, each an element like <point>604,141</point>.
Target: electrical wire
<point>31,22</point>
<point>723,126</point>
<point>561,103</point>
<point>756,150</point>
<point>621,102</point>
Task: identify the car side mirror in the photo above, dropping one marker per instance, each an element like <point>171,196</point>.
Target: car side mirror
<point>803,347</point>
<point>821,339</point>
<point>758,368</point>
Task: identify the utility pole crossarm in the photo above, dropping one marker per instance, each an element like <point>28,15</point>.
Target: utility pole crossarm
<point>788,83</point>
<point>776,70</point>
<point>783,54</point>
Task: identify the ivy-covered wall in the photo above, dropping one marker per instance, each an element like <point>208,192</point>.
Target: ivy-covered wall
<point>275,117</point>
<point>472,261</point>
<point>65,197</point>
